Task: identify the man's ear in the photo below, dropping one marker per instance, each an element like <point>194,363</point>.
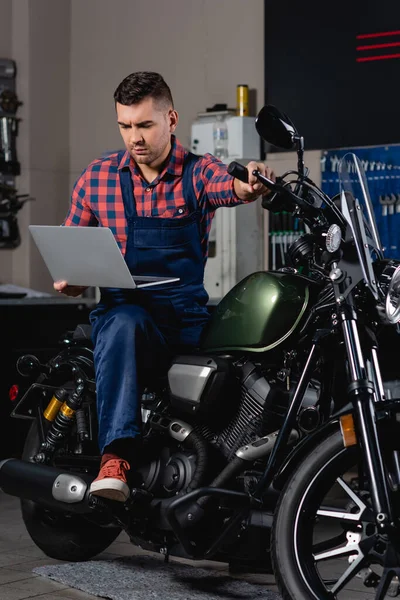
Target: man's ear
<point>173,120</point>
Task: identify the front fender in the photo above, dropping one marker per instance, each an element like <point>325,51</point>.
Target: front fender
<point>303,448</point>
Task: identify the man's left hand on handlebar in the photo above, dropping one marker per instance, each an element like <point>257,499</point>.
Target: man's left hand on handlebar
<point>254,188</point>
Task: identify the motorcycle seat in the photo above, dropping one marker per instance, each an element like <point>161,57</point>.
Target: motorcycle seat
<point>83,333</point>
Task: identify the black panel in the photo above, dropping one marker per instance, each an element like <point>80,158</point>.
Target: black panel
<point>29,329</point>
<point>312,73</point>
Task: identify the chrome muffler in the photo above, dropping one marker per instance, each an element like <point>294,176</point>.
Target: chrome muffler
<point>47,485</point>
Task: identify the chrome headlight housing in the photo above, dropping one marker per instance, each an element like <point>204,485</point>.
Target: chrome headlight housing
<point>333,238</point>
<point>390,284</point>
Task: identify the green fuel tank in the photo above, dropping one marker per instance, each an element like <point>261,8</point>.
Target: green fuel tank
<point>258,314</point>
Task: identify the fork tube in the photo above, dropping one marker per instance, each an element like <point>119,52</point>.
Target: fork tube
<point>354,353</point>
<point>362,394</point>
<point>380,390</point>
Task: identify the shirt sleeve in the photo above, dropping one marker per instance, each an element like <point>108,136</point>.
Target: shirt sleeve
<point>216,183</point>
<point>79,213</point>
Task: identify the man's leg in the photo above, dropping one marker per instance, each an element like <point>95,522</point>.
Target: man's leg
<point>126,339</point>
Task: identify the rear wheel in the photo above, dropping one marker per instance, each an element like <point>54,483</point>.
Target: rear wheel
<point>60,535</point>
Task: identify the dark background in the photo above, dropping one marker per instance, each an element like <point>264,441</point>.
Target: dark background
<point>29,327</point>
<point>311,71</point>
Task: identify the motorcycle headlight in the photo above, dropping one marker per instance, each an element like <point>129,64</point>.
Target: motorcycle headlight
<point>392,301</point>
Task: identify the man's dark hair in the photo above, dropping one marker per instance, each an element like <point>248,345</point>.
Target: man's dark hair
<point>143,84</point>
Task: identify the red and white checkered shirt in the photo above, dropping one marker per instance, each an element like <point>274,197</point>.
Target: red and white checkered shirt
<point>97,198</point>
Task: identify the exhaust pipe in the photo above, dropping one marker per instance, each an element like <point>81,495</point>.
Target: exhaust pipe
<point>47,485</point>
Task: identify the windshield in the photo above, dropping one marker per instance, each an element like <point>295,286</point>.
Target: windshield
<point>357,209</point>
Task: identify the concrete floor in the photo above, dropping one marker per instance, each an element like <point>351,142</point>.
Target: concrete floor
<point>19,555</point>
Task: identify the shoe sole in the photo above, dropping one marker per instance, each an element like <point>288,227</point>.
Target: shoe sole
<point>111,489</point>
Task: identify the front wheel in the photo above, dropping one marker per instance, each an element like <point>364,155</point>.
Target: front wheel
<point>325,541</point>
<point>60,535</point>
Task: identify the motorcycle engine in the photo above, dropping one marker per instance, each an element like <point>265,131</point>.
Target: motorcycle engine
<point>233,406</point>
<point>168,473</point>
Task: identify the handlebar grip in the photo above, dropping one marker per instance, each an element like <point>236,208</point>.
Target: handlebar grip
<point>239,171</point>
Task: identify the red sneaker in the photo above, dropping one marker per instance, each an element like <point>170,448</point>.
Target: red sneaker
<point>111,482</point>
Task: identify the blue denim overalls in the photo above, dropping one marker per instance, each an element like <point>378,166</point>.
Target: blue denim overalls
<point>135,332</point>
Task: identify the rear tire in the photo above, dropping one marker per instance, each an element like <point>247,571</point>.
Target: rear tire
<point>60,535</point>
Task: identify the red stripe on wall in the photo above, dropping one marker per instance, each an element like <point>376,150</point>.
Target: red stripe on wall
<point>374,46</point>
<point>380,34</point>
<point>382,57</point>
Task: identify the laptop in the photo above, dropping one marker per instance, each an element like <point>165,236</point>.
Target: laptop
<point>88,256</point>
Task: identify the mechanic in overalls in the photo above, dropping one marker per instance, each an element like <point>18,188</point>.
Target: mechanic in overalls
<point>159,200</point>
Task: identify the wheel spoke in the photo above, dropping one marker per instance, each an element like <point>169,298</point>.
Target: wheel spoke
<point>330,543</point>
<point>353,568</point>
<point>336,552</point>
<point>358,550</point>
<point>352,495</point>
<point>336,514</point>
<point>340,514</point>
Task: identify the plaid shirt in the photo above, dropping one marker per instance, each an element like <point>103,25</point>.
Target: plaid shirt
<point>97,199</point>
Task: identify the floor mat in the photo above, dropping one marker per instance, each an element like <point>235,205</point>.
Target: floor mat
<point>148,578</point>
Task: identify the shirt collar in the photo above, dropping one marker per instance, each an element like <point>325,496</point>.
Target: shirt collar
<point>175,162</point>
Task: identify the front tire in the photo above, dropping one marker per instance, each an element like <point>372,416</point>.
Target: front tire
<point>323,498</point>
<point>60,535</point>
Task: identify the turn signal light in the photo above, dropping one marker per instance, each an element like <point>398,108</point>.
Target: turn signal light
<point>348,430</point>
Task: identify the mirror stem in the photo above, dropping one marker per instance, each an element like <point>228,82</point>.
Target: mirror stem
<point>300,153</point>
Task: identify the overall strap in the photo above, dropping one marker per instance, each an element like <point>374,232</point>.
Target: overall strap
<point>127,188</point>
<point>120,155</point>
<point>189,193</point>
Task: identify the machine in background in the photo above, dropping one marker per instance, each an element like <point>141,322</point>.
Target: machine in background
<point>236,245</point>
<point>10,201</point>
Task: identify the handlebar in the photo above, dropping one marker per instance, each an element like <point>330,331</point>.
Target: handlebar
<point>240,172</point>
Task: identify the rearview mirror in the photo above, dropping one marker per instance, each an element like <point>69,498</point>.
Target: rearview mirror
<point>275,127</point>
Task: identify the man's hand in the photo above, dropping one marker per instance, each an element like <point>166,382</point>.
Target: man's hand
<point>254,188</point>
<point>69,290</point>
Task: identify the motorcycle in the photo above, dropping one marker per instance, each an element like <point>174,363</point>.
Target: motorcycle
<point>273,446</point>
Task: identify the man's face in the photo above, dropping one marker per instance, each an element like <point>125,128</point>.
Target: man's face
<point>146,129</point>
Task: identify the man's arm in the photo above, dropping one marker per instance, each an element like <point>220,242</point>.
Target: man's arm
<point>224,190</point>
<point>79,213</point>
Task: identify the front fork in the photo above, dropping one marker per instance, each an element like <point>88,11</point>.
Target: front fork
<point>364,393</point>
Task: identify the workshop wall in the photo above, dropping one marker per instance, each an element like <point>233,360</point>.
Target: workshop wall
<point>203,49</point>
<point>333,68</point>
<point>5,26</point>
<point>5,50</point>
<point>40,38</point>
<point>71,54</point>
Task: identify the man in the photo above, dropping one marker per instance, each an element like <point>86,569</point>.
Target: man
<point>159,200</point>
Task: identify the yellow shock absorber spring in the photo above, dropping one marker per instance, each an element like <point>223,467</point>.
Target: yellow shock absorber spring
<point>55,404</point>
